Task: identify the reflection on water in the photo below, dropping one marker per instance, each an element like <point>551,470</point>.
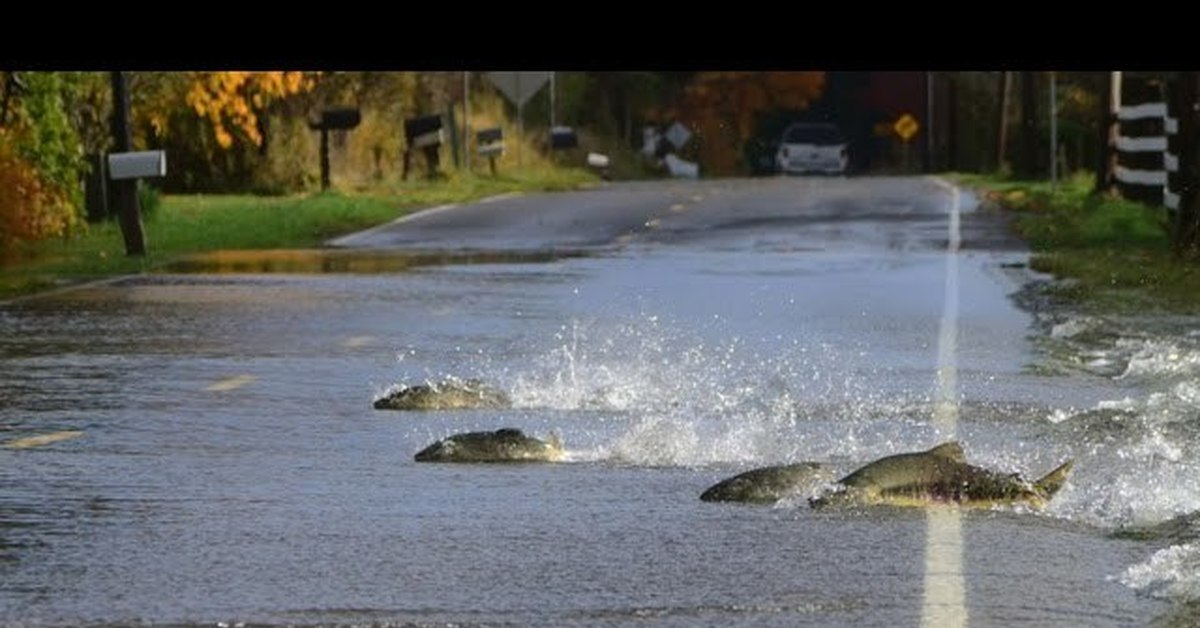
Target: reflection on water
<point>349,261</point>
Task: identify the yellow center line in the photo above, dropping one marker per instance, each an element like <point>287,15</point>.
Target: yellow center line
<point>231,383</point>
<point>945,590</point>
<point>355,342</point>
<point>43,439</point>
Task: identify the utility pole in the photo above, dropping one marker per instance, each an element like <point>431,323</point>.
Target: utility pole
<point>928,153</point>
<point>124,191</point>
<point>1028,165</point>
<point>1114,127</point>
<point>1053,131</point>
<point>1002,122</point>
<point>466,138</point>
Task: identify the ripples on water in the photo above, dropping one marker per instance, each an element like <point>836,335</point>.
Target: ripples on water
<point>1149,441</point>
<point>643,390</point>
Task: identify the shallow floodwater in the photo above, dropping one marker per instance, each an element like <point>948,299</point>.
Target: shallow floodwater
<point>232,469</point>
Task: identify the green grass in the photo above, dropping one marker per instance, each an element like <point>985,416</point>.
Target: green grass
<point>200,223</point>
<point>1117,251</point>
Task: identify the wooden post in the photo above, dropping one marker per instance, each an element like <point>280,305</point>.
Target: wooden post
<point>1187,220</point>
<point>324,159</point>
<point>124,191</point>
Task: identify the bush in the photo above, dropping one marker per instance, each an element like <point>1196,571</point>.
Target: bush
<point>30,207</point>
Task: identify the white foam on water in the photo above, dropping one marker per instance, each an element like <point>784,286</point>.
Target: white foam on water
<point>1171,573</point>
<point>1073,327</point>
<point>1157,357</point>
<point>1139,459</point>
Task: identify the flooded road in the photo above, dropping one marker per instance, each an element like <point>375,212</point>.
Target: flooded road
<point>221,460</point>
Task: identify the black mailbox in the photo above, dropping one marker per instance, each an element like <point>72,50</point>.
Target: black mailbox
<point>488,136</point>
<point>337,119</point>
<point>563,137</point>
<point>419,128</point>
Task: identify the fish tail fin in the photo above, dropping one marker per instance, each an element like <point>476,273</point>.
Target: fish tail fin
<point>1049,484</point>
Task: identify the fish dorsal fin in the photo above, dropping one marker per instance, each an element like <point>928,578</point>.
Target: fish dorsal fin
<point>1049,484</point>
<point>951,450</point>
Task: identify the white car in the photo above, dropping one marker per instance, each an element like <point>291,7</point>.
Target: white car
<point>812,147</point>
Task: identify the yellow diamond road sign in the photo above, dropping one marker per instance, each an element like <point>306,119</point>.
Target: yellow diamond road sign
<point>906,127</point>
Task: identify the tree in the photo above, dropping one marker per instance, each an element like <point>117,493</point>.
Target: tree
<point>41,156</point>
<point>723,109</point>
<point>233,102</point>
<point>213,125</point>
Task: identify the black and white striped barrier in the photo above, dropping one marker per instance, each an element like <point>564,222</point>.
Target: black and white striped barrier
<point>1144,157</point>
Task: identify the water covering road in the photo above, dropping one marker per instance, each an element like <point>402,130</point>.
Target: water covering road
<point>231,467</point>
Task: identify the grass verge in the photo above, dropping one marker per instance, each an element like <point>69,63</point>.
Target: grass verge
<point>194,224</point>
<point>1116,252</point>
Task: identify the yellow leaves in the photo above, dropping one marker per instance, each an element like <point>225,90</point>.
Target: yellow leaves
<point>232,101</point>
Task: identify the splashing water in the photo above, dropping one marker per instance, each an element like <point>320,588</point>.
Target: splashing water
<point>688,402</point>
<point>1171,573</point>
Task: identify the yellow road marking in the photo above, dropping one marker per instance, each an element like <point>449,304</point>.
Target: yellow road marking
<point>355,342</point>
<point>44,439</point>
<point>231,383</point>
<point>677,207</point>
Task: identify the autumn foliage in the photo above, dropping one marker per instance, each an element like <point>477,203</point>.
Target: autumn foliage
<point>30,207</point>
<point>723,110</point>
<point>233,101</point>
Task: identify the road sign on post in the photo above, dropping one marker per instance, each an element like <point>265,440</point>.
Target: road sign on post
<point>906,127</point>
<point>518,88</point>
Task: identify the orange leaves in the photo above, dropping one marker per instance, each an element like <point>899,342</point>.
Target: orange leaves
<point>231,101</point>
<point>724,107</point>
<point>30,208</point>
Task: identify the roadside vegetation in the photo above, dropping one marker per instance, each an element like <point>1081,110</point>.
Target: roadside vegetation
<point>193,223</point>
<point>1115,254</point>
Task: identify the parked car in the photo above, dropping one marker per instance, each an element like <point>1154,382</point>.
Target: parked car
<point>812,147</point>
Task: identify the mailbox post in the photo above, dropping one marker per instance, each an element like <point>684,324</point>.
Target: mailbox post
<point>342,119</point>
<point>124,191</point>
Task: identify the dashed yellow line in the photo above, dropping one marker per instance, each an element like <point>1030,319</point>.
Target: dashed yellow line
<point>355,342</point>
<point>231,383</point>
<point>43,439</point>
